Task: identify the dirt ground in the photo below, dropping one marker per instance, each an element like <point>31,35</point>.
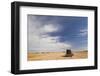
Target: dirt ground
<point>55,55</point>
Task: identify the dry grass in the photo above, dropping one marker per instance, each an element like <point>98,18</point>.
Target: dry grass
<point>56,55</point>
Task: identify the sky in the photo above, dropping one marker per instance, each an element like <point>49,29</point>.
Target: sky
<point>57,33</point>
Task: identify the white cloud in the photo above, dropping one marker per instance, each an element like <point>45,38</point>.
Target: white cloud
<point>50,28</point>
<point>52,44</point>
<point>47,44</point>
<point>83,32</point>
<point>39,40</point>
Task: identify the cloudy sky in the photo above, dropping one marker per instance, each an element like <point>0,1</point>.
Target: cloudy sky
<point>56,33</point>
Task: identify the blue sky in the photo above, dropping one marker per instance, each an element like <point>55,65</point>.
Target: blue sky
<point>57,33</point>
